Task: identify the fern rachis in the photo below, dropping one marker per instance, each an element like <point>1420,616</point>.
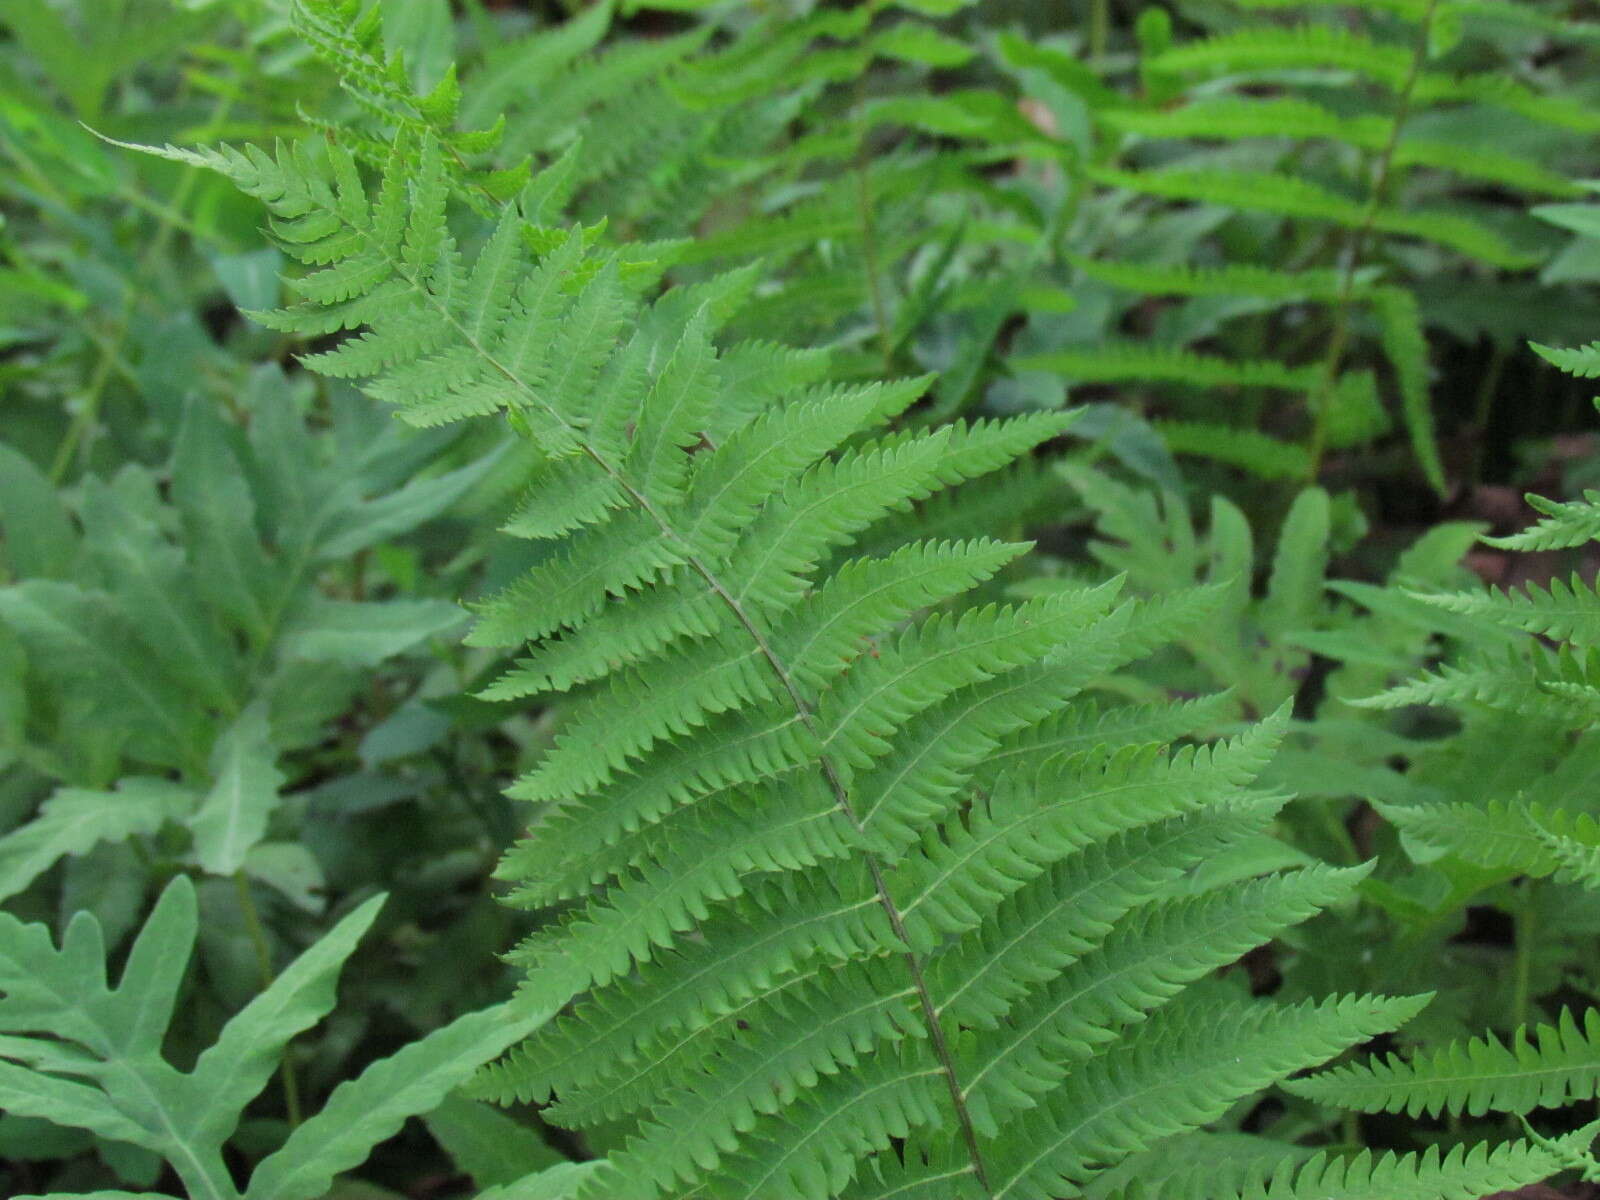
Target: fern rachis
<point>765,680</point>
<point>802,947</point>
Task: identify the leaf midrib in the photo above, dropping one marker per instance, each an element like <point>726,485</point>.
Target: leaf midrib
<point>803,709</point>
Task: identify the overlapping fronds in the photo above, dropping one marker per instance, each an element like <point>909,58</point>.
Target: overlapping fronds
<point>1306,130</point>
<point>798,873</point>
<point>1565,610</point>
<point>1560,683</point>
<point>349,37</point>
<point>1289,196</point>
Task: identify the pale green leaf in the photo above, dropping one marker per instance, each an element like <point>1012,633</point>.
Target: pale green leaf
<point>75,819</point>
<point>233,816</point>
<point>365,633</point>
<point>364,1111</point>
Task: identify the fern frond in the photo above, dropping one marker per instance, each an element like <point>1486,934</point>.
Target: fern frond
<point>1235,117</point>
<point>1114,362</point>
<point>1462,1173</point>
<point>937,753</point>
<point>766,798</point>
<point>745,953</point>
<point>1499,89</point>
<point>1567,611</point>
<point>1070,910</point>
<point>1086,727</point>
<point>1520,16</point>
<point>1555,1065</point>
<point>1573,840</point>
<point>1327,47</point>
<point>1006,839</point>
<point>1296,47</point>
<point>352,43</point>
<point>1294,197</point>
<point>1178,1074</point>
<point>1410,9</point>
<point>1514,836</point>
<point>1582,361</point>
<point>1231,279</point>
<point>1122,978</point>
<point>1565,524</point>
<point>1406,348</point>
<point>1563,684</point>
<point>1261,454</point>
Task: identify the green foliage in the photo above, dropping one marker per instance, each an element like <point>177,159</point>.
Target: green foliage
<point>682,580</point>
<point>229,592</point>
<point>1304,140</point>
<point>1473,1076</point>
<point>1475,813</point>
<point>857,845</point>
<point>690,529</point>
<point>79,1052</point>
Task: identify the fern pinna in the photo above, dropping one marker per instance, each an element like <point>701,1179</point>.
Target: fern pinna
<point>864,901</point>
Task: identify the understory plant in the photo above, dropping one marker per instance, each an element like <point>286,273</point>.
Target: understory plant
<point>1442,731</point>
<point>911,794</point>
<point>865,898</point>
<point>82,1053</point>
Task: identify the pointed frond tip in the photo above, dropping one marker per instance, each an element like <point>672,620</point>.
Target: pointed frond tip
<point>1554,1065</point>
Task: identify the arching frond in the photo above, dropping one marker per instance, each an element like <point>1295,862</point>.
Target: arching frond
<point>1293,197</point>
<point>1564,524</point>
<point>1568,611</point>
<point>1555,1065</point>
<point>792,888</point>
<point>1459,1174</point>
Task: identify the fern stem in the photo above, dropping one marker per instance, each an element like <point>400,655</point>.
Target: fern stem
<point>1522,968</point>
<point>869,248</point>
<point>1488,387</point>
<point>768,653</point>
<point>111,348</point>
<point>1099,30</point>
<point>258,939</point>
<point>791,688</point>
<point>841,795</point>
<point>1356,244</point>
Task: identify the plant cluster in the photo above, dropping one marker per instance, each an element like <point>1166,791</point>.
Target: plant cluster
<point>810,603</point>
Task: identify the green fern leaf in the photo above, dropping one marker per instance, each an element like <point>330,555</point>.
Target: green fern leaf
<point>1459,1174</point>
<point>1168,364</point>
<point>1400,333</point>
<point>1565,524</point>
<point>1262,455</point>
<point>1556,1065</point>
<point>1268,48</point>
<point>1582,361</point>
<point>1232,279</point>
<point>1292,197</point>
<point>1568,611</point>
<point>766,800</point>
<point>1189,1065</point>
<point>1234,117</point>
